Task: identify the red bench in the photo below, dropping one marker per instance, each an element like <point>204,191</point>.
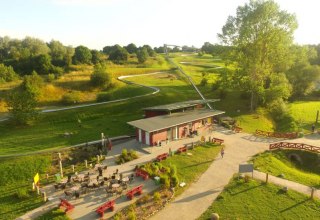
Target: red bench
<point>65,204</point>
<point>135,190</point>
<point>182,149</point>
<point>105,206</point>
<point>142,173</point>
<point>162,156</point>
<point>237,129</point>
<point>217,141</point>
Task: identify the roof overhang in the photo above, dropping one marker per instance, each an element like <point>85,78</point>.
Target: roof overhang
<point>166,121</point>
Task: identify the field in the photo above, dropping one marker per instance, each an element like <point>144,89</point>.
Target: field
<point>295,165</point>
<point>305,112</point>
<point>255,200</point>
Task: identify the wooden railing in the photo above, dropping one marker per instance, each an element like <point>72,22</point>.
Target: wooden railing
<point>290,135</point>
<point>298,146</point>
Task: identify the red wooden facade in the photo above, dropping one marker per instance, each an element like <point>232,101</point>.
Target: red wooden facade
<point>177,132</point>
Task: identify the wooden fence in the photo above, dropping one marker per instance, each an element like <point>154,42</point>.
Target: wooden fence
<point>298,146</point>
<point>290,135</point>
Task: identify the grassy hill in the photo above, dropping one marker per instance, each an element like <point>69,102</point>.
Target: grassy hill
<point>295,165</point>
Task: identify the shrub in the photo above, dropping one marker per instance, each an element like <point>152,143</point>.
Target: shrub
<point>104,97</point>
<point>204,82</point>
<point>222,93</point>
<point>144,199</point>
<point>70,98</point>
<point>174,181</point>
<point>124,153</point>
<point>22,193</point>
<point>173,170</point>
<point>157,197</point>
<point>51,77</point>
<point>132,215</point>
<point>247,178</point>
<point>133,154</point>
<point>100,77</point>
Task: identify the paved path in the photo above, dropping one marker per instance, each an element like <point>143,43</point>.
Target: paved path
<point>283,182</point>
<point>239,148</point>
<point>196,199</point>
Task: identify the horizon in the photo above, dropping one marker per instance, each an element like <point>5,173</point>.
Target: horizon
<point>99,23</point>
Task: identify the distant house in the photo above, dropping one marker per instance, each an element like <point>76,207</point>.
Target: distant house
<point>174,121</point>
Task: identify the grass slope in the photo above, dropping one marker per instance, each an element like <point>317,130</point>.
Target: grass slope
<point>255,200</point>
<point>305,170</point>
<point>305,112</point>
<point>190,168</point>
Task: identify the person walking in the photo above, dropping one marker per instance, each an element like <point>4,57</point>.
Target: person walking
<point>222,152</point>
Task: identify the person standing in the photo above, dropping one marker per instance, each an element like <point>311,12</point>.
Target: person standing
<point>313,128</point>
<point>222,152</point>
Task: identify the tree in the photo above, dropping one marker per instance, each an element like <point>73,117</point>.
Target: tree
<point>7,73</point>
<point>262,35</point>
<point>42,64</point>
<point>100,77</point>
<point>118,55</point>
<point>142,55</point>
<point>96,56</point>
<point>303,76</point>
<point>150,50</point>
<point>131,48</point>
<point>22,102</point>
<point>82,55</point>
<point>58,53</point>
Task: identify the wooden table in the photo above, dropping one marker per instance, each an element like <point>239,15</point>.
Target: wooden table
<point>126,179</point>
<point>115,185</point>
<point>75,188</point>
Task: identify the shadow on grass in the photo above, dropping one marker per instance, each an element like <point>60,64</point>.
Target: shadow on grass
<point>197,164</point>
<point>246,190</point>
<point>25,208</point>
<point>293,206</point>
<point>198,196</point>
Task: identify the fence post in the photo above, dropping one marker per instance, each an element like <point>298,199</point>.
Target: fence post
<point>312,192</point>
<point>98,159</point>
<point>38,190</point>
<point>86,163</point>
<point>72,166</point>
<point>267,177</point>
<point>47,177</point>
<point>44,196</point>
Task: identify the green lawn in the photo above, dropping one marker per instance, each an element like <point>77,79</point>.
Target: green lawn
<point>190,168</point>
<point>255,200</point>
<point>305,170</point>
<point>110,119</point>
<point>305,112</point>
<point>55,214</point>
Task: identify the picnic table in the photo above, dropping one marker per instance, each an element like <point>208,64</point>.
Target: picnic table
<point>162,156</point>
<point>135,190</point>
<point>142,173</point>
<point>125,179</point>
<point>115,185</point>
<point>108,205</point>
<point>217,141</point>
<point>65,204</point>
<point>182,149</point>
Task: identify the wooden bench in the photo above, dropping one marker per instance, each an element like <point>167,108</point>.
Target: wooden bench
<point>65,204</point>
<point>217,141</point>
<point>135,190</point>
<point>142,173</point>
<point>182,149</point>
<point>108,205</point>
<point>162,157</point>
<point>237,129</point>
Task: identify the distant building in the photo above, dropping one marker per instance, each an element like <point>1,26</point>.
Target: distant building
<point>174,121</point>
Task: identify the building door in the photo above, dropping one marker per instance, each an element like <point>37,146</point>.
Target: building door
<point>169,134</point>
<point>147,138</point>
<point>140,136</point>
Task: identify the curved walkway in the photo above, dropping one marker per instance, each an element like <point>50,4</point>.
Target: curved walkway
<point>200,195</point>
<point>120,78</point>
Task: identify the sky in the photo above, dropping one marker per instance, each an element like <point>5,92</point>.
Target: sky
<point>97,23</point>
